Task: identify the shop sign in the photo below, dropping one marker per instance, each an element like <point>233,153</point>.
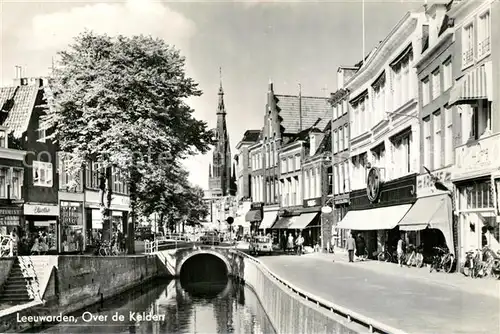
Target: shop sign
<point>120,200</point>
<point>11,212</point>
<point>256,205</point>
<point>425,183</point>
<point>41,210</point>
<point>312,202</point>
<point>485,153</point>
<point>373,184</point>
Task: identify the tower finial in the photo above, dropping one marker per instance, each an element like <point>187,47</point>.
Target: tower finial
<point>220,75</point>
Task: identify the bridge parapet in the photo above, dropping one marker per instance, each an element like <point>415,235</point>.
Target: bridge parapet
<point>174,259</point>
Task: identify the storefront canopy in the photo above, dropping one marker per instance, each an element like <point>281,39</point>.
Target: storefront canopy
<point>295,222</point>
<point>433,212</point>
<point>475,85</point>
<point>268,220</point>
<point>240,221</point>
<point>385,218</point>
<point>253,216</point>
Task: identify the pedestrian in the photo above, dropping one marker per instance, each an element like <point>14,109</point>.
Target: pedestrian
<point>299,243</point>
<point>283,242</point>
<point>351,247</point>
<point>400,250</point>
<point>290,242</point>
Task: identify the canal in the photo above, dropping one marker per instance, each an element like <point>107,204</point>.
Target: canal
<point>173,307</point>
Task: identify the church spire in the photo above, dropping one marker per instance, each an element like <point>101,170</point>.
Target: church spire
<point>221,108</point>
<point>209,170</point>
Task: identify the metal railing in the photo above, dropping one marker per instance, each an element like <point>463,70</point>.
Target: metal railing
<point>372,325</point>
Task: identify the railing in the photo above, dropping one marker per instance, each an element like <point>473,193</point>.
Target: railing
<point>468,57</point>
<point>372,325</point>
<point>484,47</point>
<point>32,277</point>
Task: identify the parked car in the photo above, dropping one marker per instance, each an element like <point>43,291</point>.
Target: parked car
<point>144,233</point>
<point>210,238</point>
<point>261,245</point>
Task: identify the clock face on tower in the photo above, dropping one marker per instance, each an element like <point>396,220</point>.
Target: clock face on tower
<point>373,183</point>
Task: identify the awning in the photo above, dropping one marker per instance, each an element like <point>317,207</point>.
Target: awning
<point>475,85</point>
<point>433,212</point>
<point>284,223</point>
<point>268,220</point>
<point>385,218</point>
<point>253,216</point>
<point>303,220</point>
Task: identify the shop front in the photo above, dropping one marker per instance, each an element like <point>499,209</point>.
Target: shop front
<point>254,216</point>
<point>341,206</point>
<point>41,221</point>
<point>374,213</point>
<point>429,223</point>
<point>476,184</point>
<point>10,220</point>
<point>241,226</point>
<point>270,215</point>
<point>72,233</point>
<point>120,206</point>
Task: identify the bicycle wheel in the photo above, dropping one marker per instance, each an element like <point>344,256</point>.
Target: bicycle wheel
<point>448,263</point>
<point>381,256</point>
<point>466,271</point>
<point>102,251</point>
<point>419,262</point>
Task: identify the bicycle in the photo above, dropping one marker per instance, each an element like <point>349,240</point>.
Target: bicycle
<point>442,260</point>
<point>106,249</point>
<point>384,256</point>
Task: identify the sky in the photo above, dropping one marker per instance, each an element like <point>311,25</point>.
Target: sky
<point>252,41</point>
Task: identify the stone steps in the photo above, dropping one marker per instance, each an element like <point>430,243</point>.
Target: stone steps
<point>15,289</point>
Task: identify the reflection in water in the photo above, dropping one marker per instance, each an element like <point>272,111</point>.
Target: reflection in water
<point>221,307</point>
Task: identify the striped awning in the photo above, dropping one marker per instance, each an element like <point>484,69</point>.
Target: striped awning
<point>475,85</point>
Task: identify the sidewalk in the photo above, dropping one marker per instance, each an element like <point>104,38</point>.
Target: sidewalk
<point>485,286</point>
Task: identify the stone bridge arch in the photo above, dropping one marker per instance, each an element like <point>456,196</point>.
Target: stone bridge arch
<point>189,253</point>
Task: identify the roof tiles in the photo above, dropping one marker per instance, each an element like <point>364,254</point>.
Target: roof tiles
<point>290,110</point>
<point>18,117</point>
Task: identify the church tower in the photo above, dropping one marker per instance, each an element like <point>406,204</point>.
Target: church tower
<point>220,172</point>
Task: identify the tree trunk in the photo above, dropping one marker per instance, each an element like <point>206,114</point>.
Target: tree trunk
<point>161,225</point>
<point>105,192</point>
<point>134,178</point>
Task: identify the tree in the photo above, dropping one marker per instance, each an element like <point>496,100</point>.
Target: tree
<point>121,101</point>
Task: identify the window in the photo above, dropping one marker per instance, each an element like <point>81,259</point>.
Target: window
<point>402,81</point>
<point>345,106</point>
<point>484,33</point>
<point>378,101</point>
<point>42,174</point>
<point>437,140</point>
<point>401,157</point>
<point>297,162</point>
<point>335,141</point>
<point>447,75</point>
<point>17,183</point>
<point>3,182</point>
<point>448,136</point>
<point>66,179</point>
<point>427,142</point>
<point>3,138</point>
<point>41,135</point>
<point>468,45</point>
<point>436,84</point>
<point>336,179</point>
<point>341,178</point>
<point>347,187</point>
<point>346,136</point>
<point>341,139</point>
<point>330,180</point>
<point>425,91</point>
<point>290,164</point>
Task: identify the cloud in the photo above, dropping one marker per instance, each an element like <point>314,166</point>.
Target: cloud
<point>56,30</point>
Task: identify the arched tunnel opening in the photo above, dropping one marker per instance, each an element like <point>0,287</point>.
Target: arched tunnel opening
<point>204,268</point>
<point>204,275</point>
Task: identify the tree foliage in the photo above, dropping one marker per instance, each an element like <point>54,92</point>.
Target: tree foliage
<point>121,101</point>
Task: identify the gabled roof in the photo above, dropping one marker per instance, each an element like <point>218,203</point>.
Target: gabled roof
<point>251,136</point>
<point>20,108</point>
<point>290,111</point>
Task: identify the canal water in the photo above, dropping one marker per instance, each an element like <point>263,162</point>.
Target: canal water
<point>173,307</point>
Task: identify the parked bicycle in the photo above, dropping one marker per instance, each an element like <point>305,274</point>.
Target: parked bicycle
<point>414,257</point>
<point>384,255</point>
<point>482,263</point>
<point>443,259</point>
<point>106,249</point>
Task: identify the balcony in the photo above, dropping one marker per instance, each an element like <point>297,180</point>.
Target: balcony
<point>484,47</point>
<point>467,57</point>
<point>478,158</point>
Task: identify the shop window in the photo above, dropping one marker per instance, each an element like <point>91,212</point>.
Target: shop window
<point>43,236</point>
<point>42,174</point>
<point>17,183</point>
<point>71,220</point>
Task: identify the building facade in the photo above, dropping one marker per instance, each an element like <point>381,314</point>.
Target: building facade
<point>339,171</point>
<point>243,165</point>
<point>384,136</point>
<point>284,118</point>
<point>437,134</point>
<point>474,96</point>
